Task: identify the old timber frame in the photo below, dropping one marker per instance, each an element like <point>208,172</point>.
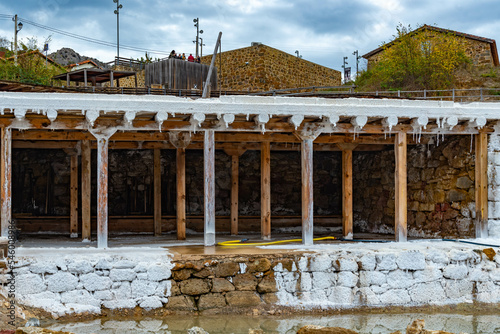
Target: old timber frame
<point>80,123</point>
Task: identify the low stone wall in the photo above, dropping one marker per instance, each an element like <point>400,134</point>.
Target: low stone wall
<point>494,185</point>
<point>335,277</point>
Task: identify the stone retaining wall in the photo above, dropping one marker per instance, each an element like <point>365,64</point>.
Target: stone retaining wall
<point>494,185</point>
<point>344,276</point>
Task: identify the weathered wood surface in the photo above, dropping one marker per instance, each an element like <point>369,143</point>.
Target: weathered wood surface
<point>307,191</point>
<point>86,190</point>
<point>347,195</point>
<point>181,193</point>
<point>209,175</point>
<point>179,74</point>
<point>481,185</point>
<point>265,186</point>
<point>6,179</point>
<point>401,192</point>
<point>102,192</point>
<point>74,196</point>
<point>234,193</point>
<point>157,191</point>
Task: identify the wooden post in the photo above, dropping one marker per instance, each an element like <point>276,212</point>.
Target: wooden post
<point>157,191</point>
<point>400,187</point>
<point>347,197</point>
<point>481,185</point>
<point>111,79</point>
<point>265,189</point>
<point>86,190</point>
<point>73,230</point>
<point>209,174</point>
<point>181,193</point>
<point>306,149</point>
<point>85,76</point>
<point>235,162</point>
<point>102,191</point>
<point>6,180</point>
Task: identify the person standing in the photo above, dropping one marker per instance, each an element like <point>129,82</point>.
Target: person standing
<point>191,58</point>
<point>183,56</point>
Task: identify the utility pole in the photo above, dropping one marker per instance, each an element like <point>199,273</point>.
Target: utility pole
<point>355,54</point>
<point>17,28</point>
<point>201,47</point>
<point>117,12</point>
<point>343,66</point>
<point>198,32</point>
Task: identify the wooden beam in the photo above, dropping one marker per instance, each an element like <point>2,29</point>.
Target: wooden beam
<point>6,180</point>
<point>265,188</point>
<point>86,190</point>
<point>181,193</point>
<point>307,191</point>
<point>481,185</point>
<point>102,192</point>
<point>74,197</point>
<point>157,191</point>
<point>347,195</point>
<point>209,174</point>
<point>234,193</point>
<point>400,195</point>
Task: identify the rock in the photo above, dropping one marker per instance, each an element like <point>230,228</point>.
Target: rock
<point>61,282</point>
<point>227,269</point>
<point>259,265</point>
<point>222,285</point>
<point>270,298</point>
<point>411,260</point>
<point>194,287</point>
<point>29,284</point>
<point>255,331</point>
<point>151,303</point>
<point>80,267</point>
<point>94,282</point>
<point>196,330</point>
<point>122,275</point>
<point>180,303</point>
<point>246,282</point>
<point>267,284</point>
<point>416,327</point>
<point>311,329</point>
<point>124,264</point>
<point>159,272</point>
<point>490,253</point>
<point>242,298</point>
<point>211,300</point>
<point>38,330</point>
<point>182,274</point>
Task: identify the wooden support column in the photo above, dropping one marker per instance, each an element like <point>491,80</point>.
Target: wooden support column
<point>102,191</point>
<point>157,191</point>
<point>181,193</point>
<point>209,175</point>
<point>85,76</point>
<point>481,185</point>
<point>306,149</point>
<point>235,154</point>
<point>347,195</point>
<point>73,230</point>
<point>265,190</point>
<point>86,190</point>
<point>111,79</point>
<point>6,180</point>
<point>400,187</point>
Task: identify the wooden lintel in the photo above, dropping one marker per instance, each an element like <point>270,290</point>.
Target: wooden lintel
<point>481,185</point>
<point>233,150</point>
<point>74,196</point>
<point>400,195</point>
<point>5,180</point>
<point>265,186</point>
<point>181,193</point>
<point>86,190</point>
<point>347,146</point>
<point>157,191</point>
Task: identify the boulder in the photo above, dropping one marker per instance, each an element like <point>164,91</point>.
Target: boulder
<point>211,300</point>
<point>222,285</point>
<point>242,298</point>
<point>245,282</point>
<point>227,269</point>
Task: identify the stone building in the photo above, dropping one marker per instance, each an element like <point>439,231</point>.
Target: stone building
<point>260,68</point>
<point>482,51</point>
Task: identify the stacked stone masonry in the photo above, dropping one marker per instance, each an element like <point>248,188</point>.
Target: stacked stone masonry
<point>494,185</point>
<point>336,278</point>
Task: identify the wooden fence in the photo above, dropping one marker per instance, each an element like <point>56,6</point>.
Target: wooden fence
<point>179,74</point>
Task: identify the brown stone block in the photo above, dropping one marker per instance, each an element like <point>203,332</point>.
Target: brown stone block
<point>222,285</point>
<point>259,265</point>
<point>211,300</point>
<point>270,298</point>
<point>203,273</point>
<point>245,282</point>
<point>194,287</point>
<point>242,298</point>
<point>182,274</point>
<point>227,269</point>
<point>267,284</point>
<point>180,303</point>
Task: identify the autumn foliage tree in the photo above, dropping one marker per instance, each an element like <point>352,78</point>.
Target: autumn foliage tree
<point>416,60</point>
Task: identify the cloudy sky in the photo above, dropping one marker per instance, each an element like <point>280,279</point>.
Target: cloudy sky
<point>322,31</point>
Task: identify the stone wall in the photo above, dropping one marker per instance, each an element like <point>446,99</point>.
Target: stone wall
<point>262,68</point>
<point>338,277</point>
<point>440,189</point>
<point>129,81</point>
<point>494,185</point>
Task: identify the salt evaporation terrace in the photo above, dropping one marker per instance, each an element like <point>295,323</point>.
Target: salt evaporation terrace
<point>69,263</point>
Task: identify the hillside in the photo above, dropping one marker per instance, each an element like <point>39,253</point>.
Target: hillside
<point>66,56</point>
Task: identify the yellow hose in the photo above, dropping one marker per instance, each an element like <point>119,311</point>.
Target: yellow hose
<point>241,243</point>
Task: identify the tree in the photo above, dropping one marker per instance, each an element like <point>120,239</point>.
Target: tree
<point>417,59</point>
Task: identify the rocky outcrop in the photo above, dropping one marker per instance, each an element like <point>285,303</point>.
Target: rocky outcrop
<point>67,56</point>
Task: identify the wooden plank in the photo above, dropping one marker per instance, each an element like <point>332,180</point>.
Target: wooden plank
<point>6,180</point>
<point>209,174</point>
<point>265,186</point>
<point>74,197</point>
<point>481,184</point>
<point>347,202</point>
<point>181,193</point>
<point>157,191</point>
<point>86,190</point>
<point>102,192</point>
<point>400,195</point>
<point>234,193</point>
<point>307,191</point>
